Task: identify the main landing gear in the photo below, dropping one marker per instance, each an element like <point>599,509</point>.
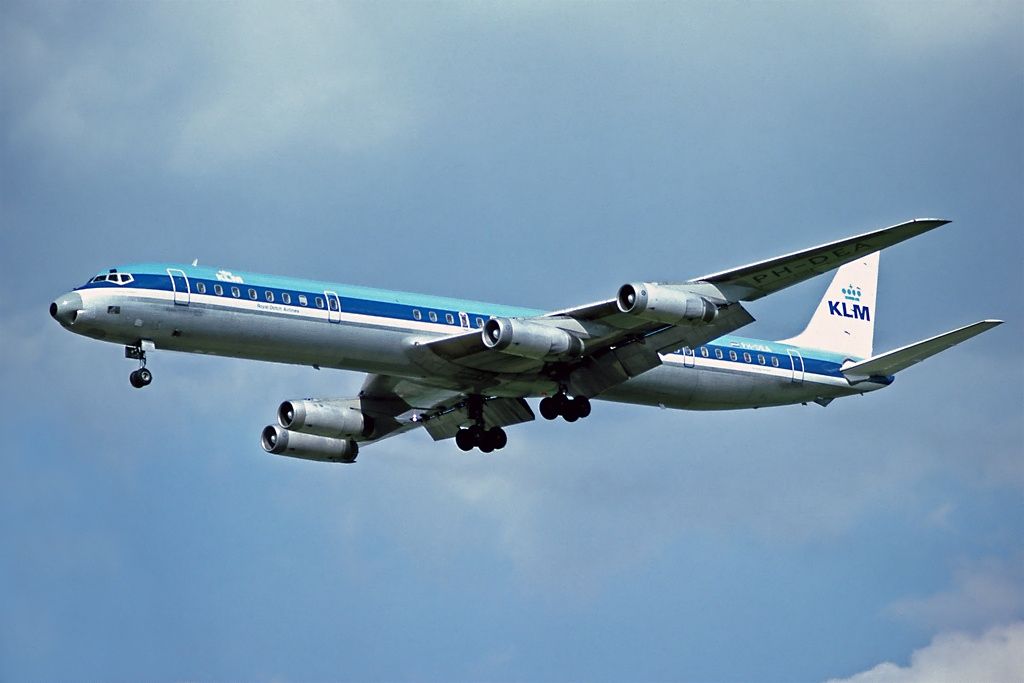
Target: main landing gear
<point>141,377</point>
<point>560,405</point>
<point>487,440</point>
<point>478,436</point>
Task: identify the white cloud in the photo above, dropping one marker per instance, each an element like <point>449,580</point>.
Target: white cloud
<point>997,656</point>
<point>198,87</point>
<point>983,592</point>
<point>283,75</point>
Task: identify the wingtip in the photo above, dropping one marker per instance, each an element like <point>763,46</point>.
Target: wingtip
<point>937,221</point>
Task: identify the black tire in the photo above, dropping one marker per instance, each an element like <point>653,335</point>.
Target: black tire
<point>582,406</point>
<point>549,408</point>
<point>464,441</point>
<point>135,381</point>
<point>486,443</point>
<point>145,376</point>
<point>474,434</point>
<point>500,438</point>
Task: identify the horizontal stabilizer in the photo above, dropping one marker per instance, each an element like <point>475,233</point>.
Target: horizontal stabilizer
<point>894,361</point>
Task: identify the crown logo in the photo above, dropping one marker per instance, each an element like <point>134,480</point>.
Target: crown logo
<point>851,293</point>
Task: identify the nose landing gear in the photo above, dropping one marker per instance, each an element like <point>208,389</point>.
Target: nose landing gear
<point>141,377</point>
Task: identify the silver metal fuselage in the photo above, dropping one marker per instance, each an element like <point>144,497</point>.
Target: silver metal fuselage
<point>161,306</point>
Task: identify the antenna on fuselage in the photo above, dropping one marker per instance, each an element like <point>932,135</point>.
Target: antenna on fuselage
<point>195,262</point>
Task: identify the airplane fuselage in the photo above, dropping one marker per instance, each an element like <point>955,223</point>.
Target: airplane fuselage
<point>328,325</point>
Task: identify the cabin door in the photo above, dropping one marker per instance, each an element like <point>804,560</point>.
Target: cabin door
<point>796,362</point>
<point>333,307</point>
<point>180,286</point>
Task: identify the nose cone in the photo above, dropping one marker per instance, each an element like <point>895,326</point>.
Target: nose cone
<point>66,308</point>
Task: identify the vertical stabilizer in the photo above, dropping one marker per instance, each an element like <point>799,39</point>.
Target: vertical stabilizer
<point>844,321</point>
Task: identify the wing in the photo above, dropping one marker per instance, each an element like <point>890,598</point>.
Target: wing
<point>591,348</point>
<point>756,280</point>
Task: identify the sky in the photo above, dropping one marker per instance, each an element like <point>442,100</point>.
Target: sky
<point>534,154</point>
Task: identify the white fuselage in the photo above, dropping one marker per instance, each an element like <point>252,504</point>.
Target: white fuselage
<point>197,310</point>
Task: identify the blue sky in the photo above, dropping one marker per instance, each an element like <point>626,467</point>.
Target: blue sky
<point>536,154</point>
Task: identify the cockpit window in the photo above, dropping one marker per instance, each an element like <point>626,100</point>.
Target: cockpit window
<point>116,278</point>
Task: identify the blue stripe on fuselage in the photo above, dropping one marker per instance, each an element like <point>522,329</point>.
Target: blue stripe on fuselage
<point>396,305</point>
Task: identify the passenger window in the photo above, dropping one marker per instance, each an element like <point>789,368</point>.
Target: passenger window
<point>450,318</point>
<point>746,357</point>
<point>333,303</point>
<point>760,358</point>
<point>236,292</point>
<point>479,322</point>
<point>416,314</point>
<point>319,302</point>
<point>303,301</point>
<point>775,362</point>
<point>718,354</point>
<point>201,288</point>
<point>732,355</point>
<point>433,316</point>
<point>270,296</point>
<point>218,290</point>
<point>704,351</point>
<point>252,294</point>
<point>286,297</point>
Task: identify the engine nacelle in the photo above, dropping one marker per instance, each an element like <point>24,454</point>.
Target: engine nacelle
<point>335,419</point>
<point>664,304</point>
<point>280,441</point>
<point>530,340</point>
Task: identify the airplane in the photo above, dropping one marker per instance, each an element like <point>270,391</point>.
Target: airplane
<point>464,369</point>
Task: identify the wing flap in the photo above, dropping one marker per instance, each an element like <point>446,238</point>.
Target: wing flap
<point>498,412</point>
<point>902,358</point>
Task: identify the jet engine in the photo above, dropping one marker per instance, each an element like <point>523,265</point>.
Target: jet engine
<point>530,340</point>
<point>663,304</point>
<point>280,441</point>
<point>335,419</point>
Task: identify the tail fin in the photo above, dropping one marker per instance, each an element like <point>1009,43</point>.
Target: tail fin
<point>844,321</point>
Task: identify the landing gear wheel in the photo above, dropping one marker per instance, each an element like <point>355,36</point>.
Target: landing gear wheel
<point>549,408</point>
<point>582,406</point>
<point>464,441</point>
<point>499,437</point>
<point>140,378</point>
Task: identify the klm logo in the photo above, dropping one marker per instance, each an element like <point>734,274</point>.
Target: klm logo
<point>853,310</point>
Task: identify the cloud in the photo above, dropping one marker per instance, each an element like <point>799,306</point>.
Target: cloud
<point>200,87</point>
<point>983,592</point>
<point>996,656</point>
